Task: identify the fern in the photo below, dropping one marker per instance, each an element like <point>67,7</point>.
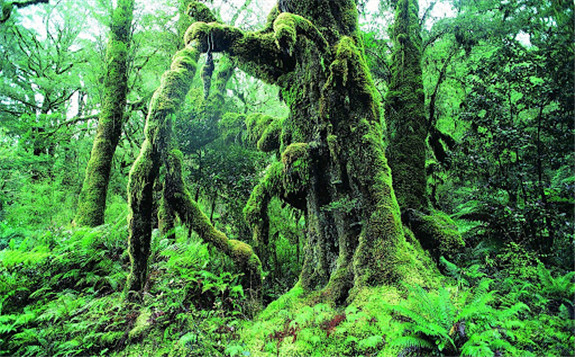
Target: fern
<point>561,288</point>
<point>413,342</point>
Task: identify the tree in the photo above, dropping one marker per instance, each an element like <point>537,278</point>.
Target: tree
<point>92,201</point>
<point>405,112</point>
<point>333,165</point>
<point>408,128</point>
<point>519,110</point>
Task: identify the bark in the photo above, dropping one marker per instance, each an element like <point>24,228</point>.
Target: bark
<point>92,202</point>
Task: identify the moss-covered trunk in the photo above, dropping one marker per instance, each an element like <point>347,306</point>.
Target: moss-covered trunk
<point>408,129</point>
<point>92,202</point>
<point>405,110</point>
<point>155,153</point>
<point>333,165</point>
<point>166,100</point>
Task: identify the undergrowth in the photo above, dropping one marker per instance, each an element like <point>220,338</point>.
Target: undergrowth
<point>61,294</point>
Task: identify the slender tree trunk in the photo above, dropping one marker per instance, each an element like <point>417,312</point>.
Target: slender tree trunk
<point>92,202</point>
<point>405,111</point>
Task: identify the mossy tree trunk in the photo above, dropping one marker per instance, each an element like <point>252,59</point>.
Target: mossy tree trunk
<point>155,153</point>
<point>408,130</point>
<point>92,202</point>
<point>333,163</point>
<point>405,110</point>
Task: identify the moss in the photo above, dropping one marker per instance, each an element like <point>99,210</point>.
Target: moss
<point>405,112</point>
<point>141,326</point>
<point>296,168</point>
<point>144,171</point>
<point>256,126</point>
<point>200,12</point>
<point>92,201</point>
<point>166,218</point>
<point>256,209</point>
<point>270,138</point>
<point>286,28</point>
<point>242,253</point>
<point>436,231</point>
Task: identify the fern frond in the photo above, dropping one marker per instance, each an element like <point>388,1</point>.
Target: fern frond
<point>412,342</point>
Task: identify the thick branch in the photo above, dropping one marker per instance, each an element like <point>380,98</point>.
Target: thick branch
<point>266,55</point>
<point>188,210</point>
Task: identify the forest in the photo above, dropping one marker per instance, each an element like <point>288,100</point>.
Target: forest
<point>287,178</point>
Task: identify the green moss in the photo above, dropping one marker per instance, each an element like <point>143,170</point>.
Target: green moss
<point>141,326</point>
<point>296,168</point>
<point>92,202</point>
<point>167,98</point>
<point>256,209</point>
<point>200,12</point>
<point>405,111</point>
<point>437,233</point>
<point>256,125</point>
<point>270,138</point>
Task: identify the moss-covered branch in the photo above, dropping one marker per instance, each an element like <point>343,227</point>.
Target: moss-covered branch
<point>189,212</point>
<point>266,54</point>
<point>167,98</point>
<point>256,209</point>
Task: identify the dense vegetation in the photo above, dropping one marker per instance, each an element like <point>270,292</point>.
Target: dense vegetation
<point>241,203</point>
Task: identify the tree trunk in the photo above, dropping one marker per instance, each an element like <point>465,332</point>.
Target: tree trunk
<point>153,154</point>
<point>408,130</point>
<point>92,202</point>
<point>333,164</point>
<point>405,111</point>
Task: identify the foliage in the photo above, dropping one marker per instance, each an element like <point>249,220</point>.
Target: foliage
<point>498,83</point>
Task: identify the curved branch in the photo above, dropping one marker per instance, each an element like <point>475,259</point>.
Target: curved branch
<point>181,202</point>
<point>267,54</point>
